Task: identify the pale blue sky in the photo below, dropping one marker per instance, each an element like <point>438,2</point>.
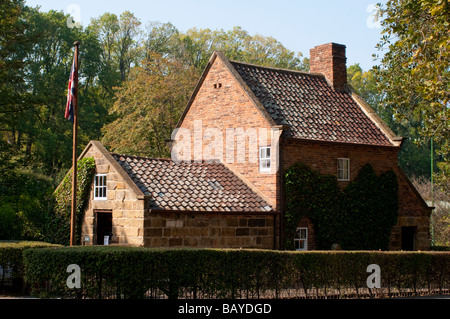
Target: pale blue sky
<point>298,24</point>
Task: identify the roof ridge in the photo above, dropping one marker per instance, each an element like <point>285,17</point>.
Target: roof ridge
<point>169,159</point>
<point>277,69</point>
<point>142,157</point>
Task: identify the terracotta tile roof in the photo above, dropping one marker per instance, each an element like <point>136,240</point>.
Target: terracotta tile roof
<point>310,106</point>
<point>191,186</point>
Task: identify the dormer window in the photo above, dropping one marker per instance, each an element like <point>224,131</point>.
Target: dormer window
<point>100,187</point>
<point>343,171</point>
<point>264,159</point>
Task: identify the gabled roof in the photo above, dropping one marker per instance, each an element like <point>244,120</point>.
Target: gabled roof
<point>312,109</point>
<point>193,186</point>
<point>305,105</point>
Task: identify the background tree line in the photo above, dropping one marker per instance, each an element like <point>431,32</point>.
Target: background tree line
<point>135,81</point>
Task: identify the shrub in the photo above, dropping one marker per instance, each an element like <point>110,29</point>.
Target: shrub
<point>11,260</point>
<point>127,272</point>
<point>59,223</point>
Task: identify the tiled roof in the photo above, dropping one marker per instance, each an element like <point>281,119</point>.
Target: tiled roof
<point>310,106</point>
<point>191,186</point>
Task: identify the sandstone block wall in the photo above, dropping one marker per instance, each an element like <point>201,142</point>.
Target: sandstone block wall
<point>200,230</point>
<point>127,211</point>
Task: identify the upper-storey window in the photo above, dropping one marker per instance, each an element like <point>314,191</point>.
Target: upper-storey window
<point>343,171</point>
<point>264,159</point>
<point>100,186</point>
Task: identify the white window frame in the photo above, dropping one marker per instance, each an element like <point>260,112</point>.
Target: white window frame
<point>343,169</point>
<point>264,159</point>
<point>100,189</point>
<point>301,238</point>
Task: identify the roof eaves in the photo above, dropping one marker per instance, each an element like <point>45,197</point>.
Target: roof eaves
<point>224,212</point>
<point>119,169</point>
<point>370,113</point>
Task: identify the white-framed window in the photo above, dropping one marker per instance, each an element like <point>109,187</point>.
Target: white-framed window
<point>301,238</point>
<point>264,159</point>
<point>100,186</point>
<point>343,171</point>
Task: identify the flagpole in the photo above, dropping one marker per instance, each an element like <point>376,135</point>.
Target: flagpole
<point>74,151</point>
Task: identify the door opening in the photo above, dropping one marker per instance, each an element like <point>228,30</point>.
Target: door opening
<point>104,227</point>
<point>408,237</point>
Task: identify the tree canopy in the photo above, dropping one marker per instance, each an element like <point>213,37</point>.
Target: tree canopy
<point>135,80</point>
<point>414,71</point>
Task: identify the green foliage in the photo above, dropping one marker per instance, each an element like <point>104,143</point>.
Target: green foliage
<point>148,107</point>
<point>414,73</point>
<point>137,272</point>
<point>59,223</point>
<point>360,216</point>
<point>11,258</point>
<point>414,157</point>
<point>23,200</point>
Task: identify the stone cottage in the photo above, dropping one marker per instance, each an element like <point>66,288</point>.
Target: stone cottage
<point>242,128</point>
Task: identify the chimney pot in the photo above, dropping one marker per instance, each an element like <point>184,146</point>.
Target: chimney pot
<point>330,60</point>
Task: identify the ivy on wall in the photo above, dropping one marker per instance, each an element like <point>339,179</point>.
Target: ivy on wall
<point>361,216</point>
<point>59,225</point>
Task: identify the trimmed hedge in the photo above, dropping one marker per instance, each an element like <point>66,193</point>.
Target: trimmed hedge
<point>126,272</point>
<point>11,259</point>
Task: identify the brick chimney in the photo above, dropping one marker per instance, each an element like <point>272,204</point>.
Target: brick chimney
<point>329,59</point>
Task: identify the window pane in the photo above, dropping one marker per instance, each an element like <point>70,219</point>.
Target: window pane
<point>302,233</point>
<point>301,244</point>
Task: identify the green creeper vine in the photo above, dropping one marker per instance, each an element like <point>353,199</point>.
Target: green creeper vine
<point>59,225</point>
<point>361,216</point>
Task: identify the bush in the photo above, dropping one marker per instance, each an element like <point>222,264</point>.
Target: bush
<point>131,272</point>
<point>58,226</point>
<point>11,260</point>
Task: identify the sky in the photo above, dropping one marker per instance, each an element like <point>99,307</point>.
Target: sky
<point>298,24</point>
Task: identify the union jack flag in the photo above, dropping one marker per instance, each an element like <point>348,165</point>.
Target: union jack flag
<point>70,95</point>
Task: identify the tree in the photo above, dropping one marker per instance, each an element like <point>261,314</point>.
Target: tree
<point>440,217</point>
<point>148,106</point>
<point>414,158</point>
<point>196,46</point>
<point>14,98</point>
<point>414,72</point>
<point>120,46</point>
<point>36,51</point>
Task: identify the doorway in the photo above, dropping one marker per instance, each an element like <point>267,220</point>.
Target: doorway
<point>104,227</point>
<point>408,237</point>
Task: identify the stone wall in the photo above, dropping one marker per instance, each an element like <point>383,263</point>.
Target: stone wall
<point>200,230</point>
<point>127,211</point>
